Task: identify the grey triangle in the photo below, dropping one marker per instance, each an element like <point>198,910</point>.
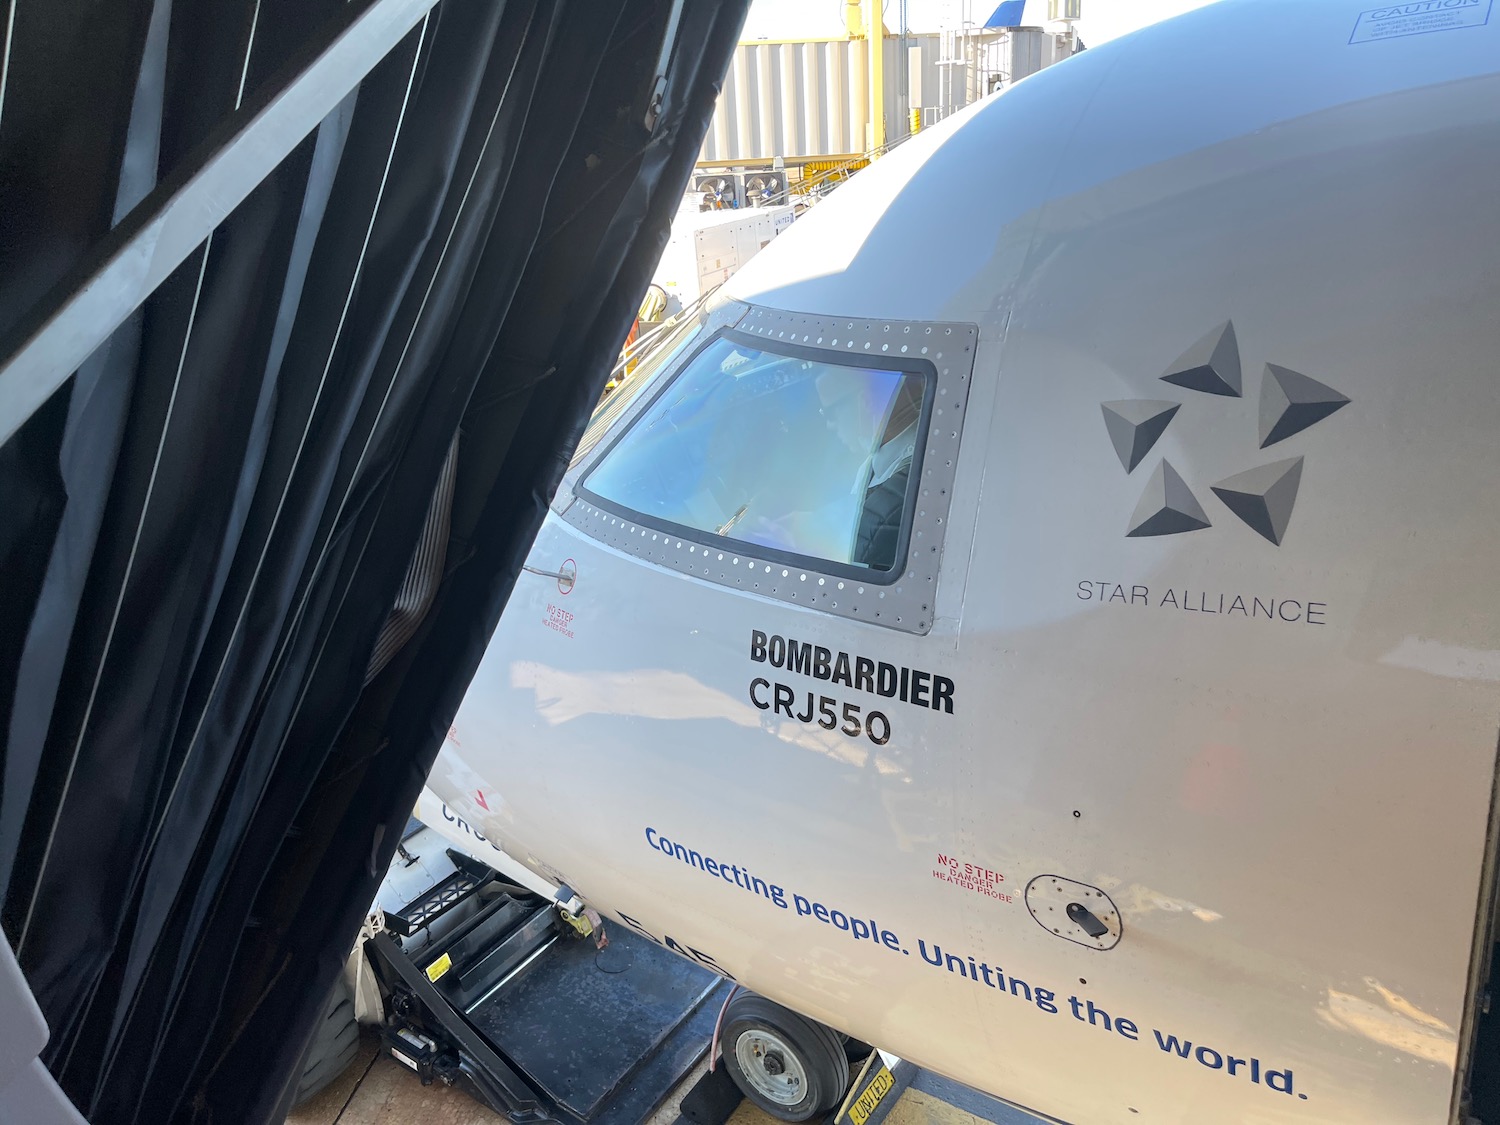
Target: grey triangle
<point>1290,402</point>
<point>1134,426</point>
<point>1264,496</point>
<point>1212,365</point>
<point>1167,507</point>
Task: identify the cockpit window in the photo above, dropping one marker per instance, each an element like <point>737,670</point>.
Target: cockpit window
<point>790,451</point>
<point>657,359</point>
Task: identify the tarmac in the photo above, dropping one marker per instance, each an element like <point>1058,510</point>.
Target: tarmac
<point>377,1090</point>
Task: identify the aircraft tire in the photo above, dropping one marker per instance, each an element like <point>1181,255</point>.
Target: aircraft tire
<point>333,1045</point>
<point>773,1055</point>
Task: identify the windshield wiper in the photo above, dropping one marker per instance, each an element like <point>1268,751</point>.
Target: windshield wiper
<point>734,519</point>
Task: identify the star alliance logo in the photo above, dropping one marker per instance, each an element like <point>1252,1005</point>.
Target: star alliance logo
<point>1262,497</point>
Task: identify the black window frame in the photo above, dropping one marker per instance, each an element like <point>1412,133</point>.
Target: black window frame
<point>924,368</point>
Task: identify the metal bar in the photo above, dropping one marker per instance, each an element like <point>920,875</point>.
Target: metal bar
<point>812,86</point>
<point>720,130</point>
<point>151,241</point>
<point>663,59</point>
<point>793,159</point>
<point>10,34</point>
<point>765,124</point>
<point>788,68</point>
<point>513,974</point>
<point>859,96</point>
<point>743,136</point>
<point>837,85</point>
<point>875,41</point>
<point>508,956</point>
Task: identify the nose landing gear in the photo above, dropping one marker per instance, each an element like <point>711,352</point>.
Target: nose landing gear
<point>789,1066</point>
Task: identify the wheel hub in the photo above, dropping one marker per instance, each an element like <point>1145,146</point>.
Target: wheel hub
<point>771,1066</point>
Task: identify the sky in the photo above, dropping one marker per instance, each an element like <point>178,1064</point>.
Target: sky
<point>1102,19</point>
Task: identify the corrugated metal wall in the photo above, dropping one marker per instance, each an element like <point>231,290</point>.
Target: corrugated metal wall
<point>791,99</point>
<point>811,98</point>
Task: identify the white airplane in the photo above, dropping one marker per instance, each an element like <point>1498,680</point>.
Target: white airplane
<point>1042,619</point>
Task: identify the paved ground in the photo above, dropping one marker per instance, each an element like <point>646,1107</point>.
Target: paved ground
<point>377,1090</point>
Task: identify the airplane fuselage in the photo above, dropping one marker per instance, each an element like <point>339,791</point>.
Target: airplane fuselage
<point>1042,623</point>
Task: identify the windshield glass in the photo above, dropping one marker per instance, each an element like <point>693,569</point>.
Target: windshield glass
<point>657,359</point>
<point>799,455</point>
